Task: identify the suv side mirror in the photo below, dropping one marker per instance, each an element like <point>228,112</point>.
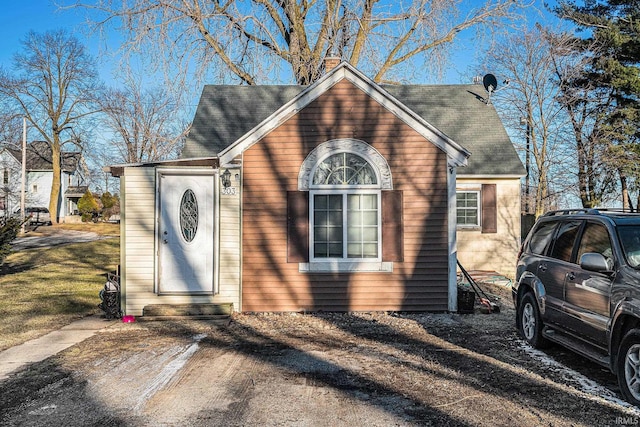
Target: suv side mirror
<point>593,261</point>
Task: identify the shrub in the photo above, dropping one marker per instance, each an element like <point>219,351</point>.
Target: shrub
<point>9,229</point>
<point>88,206</point>
<point>108,205</point>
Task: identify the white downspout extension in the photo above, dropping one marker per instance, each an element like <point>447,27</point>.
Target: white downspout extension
<point>453,248</point>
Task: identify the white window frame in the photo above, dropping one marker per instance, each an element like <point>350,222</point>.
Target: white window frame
<point>383,182</point>
<point>344,260</point>
<point>478,208</point>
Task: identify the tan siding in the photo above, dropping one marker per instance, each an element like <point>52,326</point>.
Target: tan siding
<point>494,251</point>
<point>271,168</point>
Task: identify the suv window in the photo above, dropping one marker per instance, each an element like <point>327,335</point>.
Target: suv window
<point>565,240</point>
<point>630,240</point>
<point>595,238</point>
<point>541,237</point>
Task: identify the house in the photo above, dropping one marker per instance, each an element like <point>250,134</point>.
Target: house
<point>39,178</point>
<point>339,196</point>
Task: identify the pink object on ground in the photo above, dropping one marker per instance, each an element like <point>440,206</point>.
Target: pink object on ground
<point>128,319</point>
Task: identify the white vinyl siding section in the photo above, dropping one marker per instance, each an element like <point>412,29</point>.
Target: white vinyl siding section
<point>138,253</point>
<point>229,247</point>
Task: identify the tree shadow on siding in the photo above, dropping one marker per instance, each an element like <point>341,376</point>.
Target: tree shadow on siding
<point>425,211</point>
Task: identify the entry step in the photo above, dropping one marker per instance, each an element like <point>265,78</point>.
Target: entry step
<point>200,311</point>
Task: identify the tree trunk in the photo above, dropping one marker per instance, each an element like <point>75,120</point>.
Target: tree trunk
<point>626,200</point>
<point>56,179</point>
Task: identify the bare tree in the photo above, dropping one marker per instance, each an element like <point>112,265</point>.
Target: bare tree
<point>53,86</point>
<point>586,107</point>
<point>530,106</point>
<point>10,122</point>
<point>144,124</point>
<point>253,40</point>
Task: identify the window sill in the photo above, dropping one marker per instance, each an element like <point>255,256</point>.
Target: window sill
<point>345,267</point>
<point>468,228</point>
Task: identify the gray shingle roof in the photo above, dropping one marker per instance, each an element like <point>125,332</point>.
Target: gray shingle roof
<point>225,113</point>
<point>39,157</point>
<point>460,111</point>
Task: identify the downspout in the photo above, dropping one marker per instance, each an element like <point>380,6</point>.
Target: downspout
<point>451,231</point>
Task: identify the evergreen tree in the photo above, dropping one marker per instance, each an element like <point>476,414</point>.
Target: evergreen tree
<point>611,40</point>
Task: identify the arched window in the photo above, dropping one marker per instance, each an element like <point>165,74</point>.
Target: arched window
<point>344,203</point>
<point>345,218</point>
<point>344,169</point>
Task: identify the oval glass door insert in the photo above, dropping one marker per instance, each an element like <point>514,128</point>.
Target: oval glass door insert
<point>189,215</point>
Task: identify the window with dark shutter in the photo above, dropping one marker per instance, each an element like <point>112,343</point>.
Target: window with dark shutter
<point>392,226</point>
<point>489,209</point>
<point>297,226</point>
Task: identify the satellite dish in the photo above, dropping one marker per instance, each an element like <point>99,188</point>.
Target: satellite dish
<point>490,84</point>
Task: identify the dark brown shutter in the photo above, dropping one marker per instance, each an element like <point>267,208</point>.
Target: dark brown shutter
<point>297,226</point>
<point>392,226</point>
<point>489,209</point>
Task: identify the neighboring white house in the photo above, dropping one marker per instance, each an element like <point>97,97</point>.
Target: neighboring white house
<point>39,178</point>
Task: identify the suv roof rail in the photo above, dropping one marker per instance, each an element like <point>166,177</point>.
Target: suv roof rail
<point>591,211</point>
<point>572,211</point>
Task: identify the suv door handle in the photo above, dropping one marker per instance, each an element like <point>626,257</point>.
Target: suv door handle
<point>571,276</point>
<point>542,267</point>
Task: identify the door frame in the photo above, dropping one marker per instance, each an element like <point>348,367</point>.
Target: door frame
<point>214,173</point>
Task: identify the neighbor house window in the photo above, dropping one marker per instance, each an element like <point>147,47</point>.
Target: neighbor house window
<point>468,208</point>
<point>34,189</point>
<point>5,177</point>
<point>345,209</point>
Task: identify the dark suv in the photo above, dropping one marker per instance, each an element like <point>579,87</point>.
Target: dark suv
<point>578,285</point>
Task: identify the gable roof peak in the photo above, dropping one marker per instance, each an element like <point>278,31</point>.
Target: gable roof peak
<point>344,71</point>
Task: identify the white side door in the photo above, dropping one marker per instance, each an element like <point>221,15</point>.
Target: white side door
<point>186,234</point>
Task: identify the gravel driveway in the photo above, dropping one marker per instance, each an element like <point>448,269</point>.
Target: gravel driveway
<point>365,369</point>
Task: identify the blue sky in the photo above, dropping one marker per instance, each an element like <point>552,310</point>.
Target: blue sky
<point>20,16</point>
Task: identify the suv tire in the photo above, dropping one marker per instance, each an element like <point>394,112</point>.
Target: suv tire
<point>530,322</point>
<point>628,366</point>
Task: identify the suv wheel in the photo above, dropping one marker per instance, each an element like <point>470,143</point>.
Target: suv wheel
<point>530,322</point>
<point>628,366</point>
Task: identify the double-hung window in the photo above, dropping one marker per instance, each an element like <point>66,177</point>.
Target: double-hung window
<point>468,208</point>
<point>345,210</point>
<point>346,216</point>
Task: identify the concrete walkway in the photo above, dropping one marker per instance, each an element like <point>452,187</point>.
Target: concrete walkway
<point>46,346</point>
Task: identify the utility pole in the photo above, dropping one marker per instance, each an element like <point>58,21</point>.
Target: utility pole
<point>24,172</point>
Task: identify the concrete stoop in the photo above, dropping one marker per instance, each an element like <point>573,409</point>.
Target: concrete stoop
<point>218,312</point>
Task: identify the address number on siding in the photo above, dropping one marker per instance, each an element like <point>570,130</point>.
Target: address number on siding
<point>229,191</point>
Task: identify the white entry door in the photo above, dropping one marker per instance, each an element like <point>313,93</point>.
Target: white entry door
<point>186,234</point>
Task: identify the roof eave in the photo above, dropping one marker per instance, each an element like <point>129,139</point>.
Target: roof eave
<point>118,170</point>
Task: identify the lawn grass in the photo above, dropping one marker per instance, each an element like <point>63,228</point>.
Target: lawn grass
<point>44,289</point>
<point>102,228</point>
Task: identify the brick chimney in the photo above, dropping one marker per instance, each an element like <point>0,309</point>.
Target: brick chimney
<point>331,62</point>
